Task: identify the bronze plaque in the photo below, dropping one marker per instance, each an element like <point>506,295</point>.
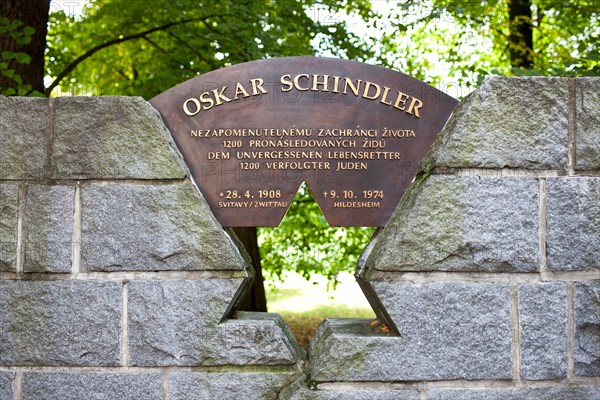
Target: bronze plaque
<point>253,132</point>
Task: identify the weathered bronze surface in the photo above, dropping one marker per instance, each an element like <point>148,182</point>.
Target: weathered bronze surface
<point>252,133</point>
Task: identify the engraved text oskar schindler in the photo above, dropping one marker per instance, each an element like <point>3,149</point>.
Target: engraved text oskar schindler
<point>251,141</point>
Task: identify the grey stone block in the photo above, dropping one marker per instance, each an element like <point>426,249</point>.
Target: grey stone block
<point>299,391</point>
<point>228,385</point>
<point>448,331</point>
<point>91,386</point>
<point>49,227</point>
<point>9,199</point>
<point>547,393</point>
<point>588,123</point>
<point>153,227</point>
<point>497,126</point>
<point>587,329</point>
<point>254,338</point>
<point>573,223</point>
<point>112,138</point>
<point>174,322</point>
<point>23,128</point>
<point>543,320</point>
<point>63,323</point>
<point>451,223</point>
<point>6,382</point>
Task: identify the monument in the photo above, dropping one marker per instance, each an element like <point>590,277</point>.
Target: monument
<point>253,132</point>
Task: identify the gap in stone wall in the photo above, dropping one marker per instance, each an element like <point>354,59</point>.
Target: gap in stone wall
<point>305,280</point>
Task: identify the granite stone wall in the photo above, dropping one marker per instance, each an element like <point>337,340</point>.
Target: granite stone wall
<point>117,282</point>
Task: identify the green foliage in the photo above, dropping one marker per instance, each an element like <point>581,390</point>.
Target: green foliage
<point>190,39</point>
<point>20,34</point>
<point>455,44</point>
<point>306,244</point>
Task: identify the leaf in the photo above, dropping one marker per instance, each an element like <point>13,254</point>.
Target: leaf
<point>23,39</point>
<point>9,92</point>
<point>28,30</point>
<point>23,58</point>
<point>13,25</point>
<point>7,55</point>
<point>8,73</point>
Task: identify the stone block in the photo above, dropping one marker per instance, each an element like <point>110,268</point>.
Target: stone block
<point>448,331</point>
<point>9,200</point>
<point>588,123</point>
<point>92,386</point>
<point>132,227</point>
<point>587,329</point>
<point>23,129</point>
<point>544,393</point>
<point>497,126</point>
<point>573,223</point>
<point>543,321</point>
<point>60,323</point>
<point>450,223</point>
<point>228,385</point>
<point>173,322</point>
<point>6,382</point>
<point>299,391</point>
<point>49,227</point>
<point>254,338</point>
<point>112,138</point>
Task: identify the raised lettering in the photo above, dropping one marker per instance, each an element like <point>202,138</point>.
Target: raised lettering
<point>323,83</point>
<point>239,89</point>
<point>257,84</point>
<point>286,80</point>
<point>297,82</point>
<point>368,86</point>
<point>186,109</point>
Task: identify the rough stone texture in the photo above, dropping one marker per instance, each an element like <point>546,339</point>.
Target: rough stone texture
<point>549,393</point>
<point>573,223</point>
<point>587,329</point>
<point>254,338</point>
<point>228,385</point>
<point>454,223</point>
<point>92,386</point>
<point>588,123</point>
<point>543,320</point>
<point>448,331</point>
<point>299,391</point>
<point>23,128</point>
<point>174,322</point>
<point>6,381</point>
<point>49,227</point>
<point>112,138</point>
<point>148,228</point>
<point>66,323</point>
<point>497,126</point>
<point>8,226</point>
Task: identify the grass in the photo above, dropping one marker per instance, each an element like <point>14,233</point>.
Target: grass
<point>304,305</point>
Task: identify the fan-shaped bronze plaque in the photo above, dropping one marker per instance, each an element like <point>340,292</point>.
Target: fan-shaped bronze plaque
<point>252,133</point>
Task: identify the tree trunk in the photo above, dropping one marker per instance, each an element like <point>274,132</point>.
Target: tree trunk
<point>255,299</point>
<point>32,13</point>
<point>520,40</point>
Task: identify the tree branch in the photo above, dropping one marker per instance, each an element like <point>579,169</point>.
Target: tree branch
<point>179,63</point>
<point>186,44</point>
<point>99,47</point>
